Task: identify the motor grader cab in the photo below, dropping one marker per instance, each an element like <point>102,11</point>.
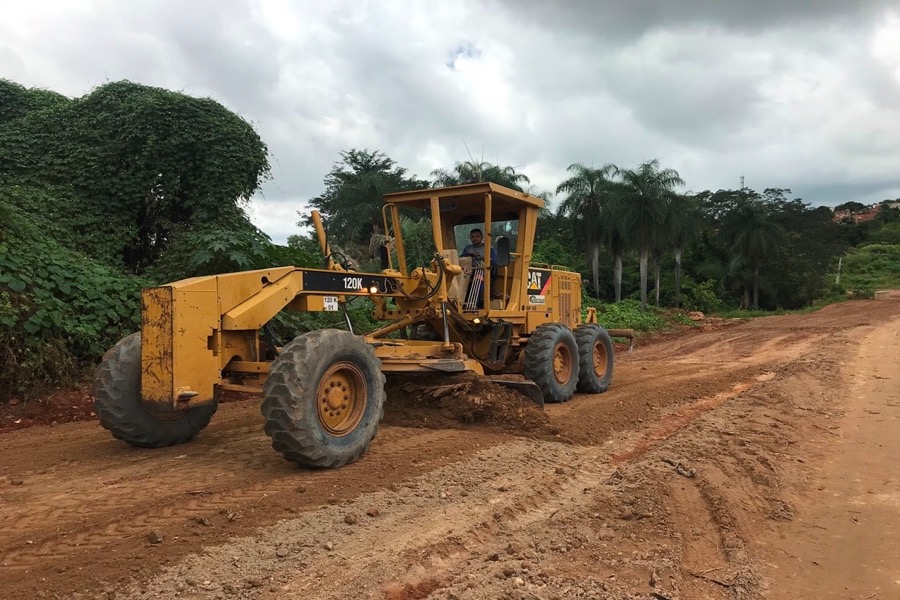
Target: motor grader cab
<point>492,314</point>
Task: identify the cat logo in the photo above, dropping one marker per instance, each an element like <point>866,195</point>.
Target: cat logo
<point>534,280</point>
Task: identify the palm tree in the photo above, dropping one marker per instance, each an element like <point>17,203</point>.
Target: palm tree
<point>754,236</point>
<point>643,206</point>
<point>684,218</point>
<point>472,171</point>
<point>614,237</point>
<point>589,192</point>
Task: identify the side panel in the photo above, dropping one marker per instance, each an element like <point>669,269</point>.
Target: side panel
<point>156,345</point>
<point>567,297</point>
<point>196,320</point>
<point>538,302</point>
<point>178,352</point>
<point>552,296</point>
<point>324,281</point>
<point>539,288</point>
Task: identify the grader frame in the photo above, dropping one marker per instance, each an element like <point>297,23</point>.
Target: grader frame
<point>324,391</point>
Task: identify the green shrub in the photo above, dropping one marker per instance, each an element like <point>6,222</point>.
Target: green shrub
<point>700,296</point>
<point>871,267</point>
<point>626,314</point>
<point>862,292</point>
<point>59,309</point>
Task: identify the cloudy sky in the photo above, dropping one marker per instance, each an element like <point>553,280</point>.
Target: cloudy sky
<point>803,94</point>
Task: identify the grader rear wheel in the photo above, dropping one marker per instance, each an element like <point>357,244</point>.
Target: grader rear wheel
<point>324,399</point>
<point>595,355</point>
<point>118,404</point>
<point>551,361</point>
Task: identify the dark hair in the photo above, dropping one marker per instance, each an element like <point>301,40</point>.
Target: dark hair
<point>478,230</point>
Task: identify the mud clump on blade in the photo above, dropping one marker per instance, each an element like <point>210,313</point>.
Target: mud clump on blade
<point>462,400</point>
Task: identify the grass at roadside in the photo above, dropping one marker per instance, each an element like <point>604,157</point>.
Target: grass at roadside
<point>627,314</point>
<point>872,267</point>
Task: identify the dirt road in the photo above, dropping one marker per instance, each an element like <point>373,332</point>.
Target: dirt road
<point>755,460</point>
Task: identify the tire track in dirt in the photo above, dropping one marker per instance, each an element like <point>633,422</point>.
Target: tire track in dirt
<point>436,550</point>
<point>482,502</point>
<point>67,502</point>
<point>113,523</point>
<point>434,519</point>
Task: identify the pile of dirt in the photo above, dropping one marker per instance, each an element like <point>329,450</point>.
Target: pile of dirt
<point>60,406</point>
<point>462,400</point>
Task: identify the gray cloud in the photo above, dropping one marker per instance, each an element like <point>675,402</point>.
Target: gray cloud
<point>790,94</point>
<point>618,20</point>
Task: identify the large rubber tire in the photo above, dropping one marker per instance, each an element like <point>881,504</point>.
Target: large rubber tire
<point>118,404</point>
<point>542,356</point>
<point>595,357</point>
<point>296,422</point>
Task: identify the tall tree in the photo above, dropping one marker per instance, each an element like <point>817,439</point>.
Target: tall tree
<point>588,195</point>
<point>808,252</point>
<point>615,239</point>
<point>643,206</point>
<point>683,220</point>
<point>353,197</point>
<point>754,236</point>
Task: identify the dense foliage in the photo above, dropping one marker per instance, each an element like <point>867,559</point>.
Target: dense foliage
<point>352,200</point>
<point>124,187</point>
<point>57,306</point>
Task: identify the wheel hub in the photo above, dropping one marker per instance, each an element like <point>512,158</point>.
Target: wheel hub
<point>341,398</point>
<point>599,359</point>
<point>562,363</point>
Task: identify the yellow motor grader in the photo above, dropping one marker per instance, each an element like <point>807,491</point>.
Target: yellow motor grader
<point>485,309</point>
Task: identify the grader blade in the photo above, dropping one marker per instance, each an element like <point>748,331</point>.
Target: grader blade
<point>526,388</point>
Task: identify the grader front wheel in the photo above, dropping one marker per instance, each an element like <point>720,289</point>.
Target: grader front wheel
<point>324,399</point>
<point>551,361</point>
<point>342,397</point>
<point>118,403</point>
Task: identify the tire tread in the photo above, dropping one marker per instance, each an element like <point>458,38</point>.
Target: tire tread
<point>538,365</point>
<point>116,392</point>
<point>585,335</point>
<point>293,432</point>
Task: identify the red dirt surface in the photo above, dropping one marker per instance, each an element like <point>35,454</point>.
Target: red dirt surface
<point>748,460</point>
<point>60,406</point>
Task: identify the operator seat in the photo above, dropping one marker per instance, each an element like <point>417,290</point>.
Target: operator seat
<point>460,283</point>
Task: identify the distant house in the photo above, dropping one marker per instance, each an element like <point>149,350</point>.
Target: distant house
<point>860,216</point>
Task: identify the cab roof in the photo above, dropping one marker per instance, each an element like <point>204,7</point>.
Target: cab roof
<point>465,197</point>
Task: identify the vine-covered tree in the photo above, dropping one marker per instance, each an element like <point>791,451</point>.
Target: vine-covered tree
<point>16,100</point>
<point>141,162</point>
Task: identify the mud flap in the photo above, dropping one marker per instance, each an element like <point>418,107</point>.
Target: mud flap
<point>527,388</point>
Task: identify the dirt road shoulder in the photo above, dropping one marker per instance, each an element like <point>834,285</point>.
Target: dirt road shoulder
<point>845,539</point>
